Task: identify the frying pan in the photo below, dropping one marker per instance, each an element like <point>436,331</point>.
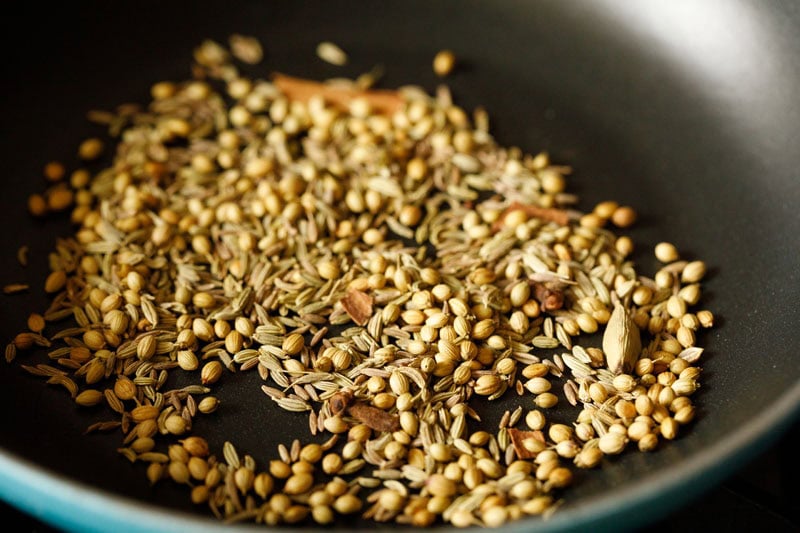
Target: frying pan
<point>685,110</point>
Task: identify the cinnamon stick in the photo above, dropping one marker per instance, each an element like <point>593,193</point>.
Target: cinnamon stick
<point>374,418</point>
<point>550,214</point>
<point>382,101</point>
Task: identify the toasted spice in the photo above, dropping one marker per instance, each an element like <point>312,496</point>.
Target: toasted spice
<point>358,305</point>
<point>444,62</point>
<point>374,418</point>
<point>302,90</point>
<point>386,268</point>
<point>549,296</point>
<point>621,341</point>
<point>14,288</point>
<point>331,53</point>
<point>521,440</point>
<point>549,214</point>
<point>339,402</point>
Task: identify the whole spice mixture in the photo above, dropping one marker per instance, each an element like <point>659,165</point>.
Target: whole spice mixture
<point>385,267</point>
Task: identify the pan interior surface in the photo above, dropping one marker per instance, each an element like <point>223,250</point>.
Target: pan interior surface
<point>686,111</point>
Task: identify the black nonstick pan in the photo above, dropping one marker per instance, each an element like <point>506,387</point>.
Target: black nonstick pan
<point>686,110</point>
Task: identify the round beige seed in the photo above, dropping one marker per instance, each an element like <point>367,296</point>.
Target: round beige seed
<point>648,443</point>
<point>669,428</point>
<point>589,458</point>
<point>439,485</point>
<point>605,209</point>
<point>487,385</point>
<point>444,62</point>
<point>37,205</point>
<point>560,432</point>
<point>638,430</point>
<point>664,279</point>
<point>623,217</point>
<point>546,400</point>
<point>208,405</point>
<point>693,272</point>
<point>335,424</point>
<point>690,293</point>
<point>280,502</point>
<point>154,472</point>
<point>625,409</point>
<point>524,490</point>
<point>195,446</point>
<point>495,516</point>
<point>244,479</point>
<point>538,385</point>
<point>352,450</point>
<point>179,472</point>
<point>706,318</point>
<point>59,198</point>
<point>612,443</point>
<point>279,469</point>
<point>332,463</point>
<point>187,360</point>
<point>328,269</point>
<point>535,370</point>
<point>676,307</point>
<point>90,149</point>
<point>214,477</point>
<point>642,295</point>
<point>685,415</point>
<point>203,300</point>
<point>211,372</point>
<point>146,347</point>
<point>391,500</point>
<point>55,281</point>
<point>199,494</point>
<point>598,392</point>
<point>143,445</point>
<point>666,252</point>
<point>644,405</point>
<point>298,483</point>
<point>221,328</point>
<point>198,468</point>
<point>624,245</point>
<point>567,449</point>
<point>347,504</point>
<point>293,344</point>
<point>175,424</point>
<point>440,452</point>
<point>124,388</point>
<point>624,382</point>
<point>89,397</point>
<point>587,323</point>
<point>685,336</point>
<point>322,514</point>
<point>94,339</point>
<point>263,485</point>
<point>584,431</point>
<point>560,477</point>
<point>54,171</point>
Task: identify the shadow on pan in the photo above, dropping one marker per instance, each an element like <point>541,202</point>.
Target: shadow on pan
<point>685,111</point>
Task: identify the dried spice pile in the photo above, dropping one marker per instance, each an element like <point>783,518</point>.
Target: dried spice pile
<point>385,267</point>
